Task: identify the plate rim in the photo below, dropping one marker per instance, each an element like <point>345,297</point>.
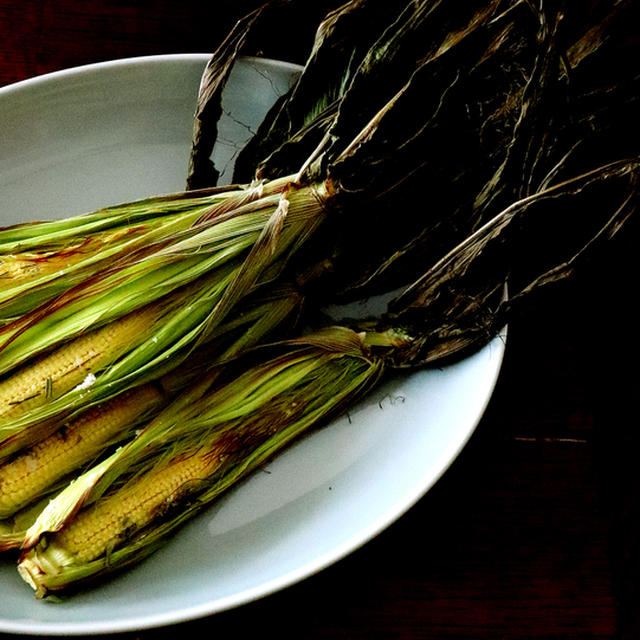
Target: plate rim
<point>132,61</point>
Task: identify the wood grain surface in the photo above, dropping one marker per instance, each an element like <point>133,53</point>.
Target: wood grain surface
<point>532,531</point>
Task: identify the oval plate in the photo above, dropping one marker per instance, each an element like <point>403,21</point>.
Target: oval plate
<point>77,140</point>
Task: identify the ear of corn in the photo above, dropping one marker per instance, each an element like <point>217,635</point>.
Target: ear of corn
<point>158,338</point>
<point>38,468</point>
<point>100,364</point>
<point>41,260</point>
<point>194,449</point>
<point>55,374</point>
<point>54,384</point>
<point>111,295</point>
<point>108,523</point>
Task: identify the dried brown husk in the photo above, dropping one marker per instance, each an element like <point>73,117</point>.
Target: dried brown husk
<point>268,22</point>
<point>530,249</point>
<point>377,115</point>
<point>503,98</point>
<point>296,124</point>
<point>551,122</point>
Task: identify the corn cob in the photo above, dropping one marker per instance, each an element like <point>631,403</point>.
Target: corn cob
<point>41,394</point>
<point>108,523</point>
<point>68,366</point>
<point>37,469</point>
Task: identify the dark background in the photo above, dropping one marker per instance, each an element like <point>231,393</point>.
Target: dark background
<point>532,532</point>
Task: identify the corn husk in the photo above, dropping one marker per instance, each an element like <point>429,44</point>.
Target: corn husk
<point>41,260</point>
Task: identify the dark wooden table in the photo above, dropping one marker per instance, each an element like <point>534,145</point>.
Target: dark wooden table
<point>532,533</point>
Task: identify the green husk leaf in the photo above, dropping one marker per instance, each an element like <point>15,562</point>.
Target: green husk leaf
<point>33,235</point>
<point>82,251</point>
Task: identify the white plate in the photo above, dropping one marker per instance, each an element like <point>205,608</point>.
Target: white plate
<point>81,139</point>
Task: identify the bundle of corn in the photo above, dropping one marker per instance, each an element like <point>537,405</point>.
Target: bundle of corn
<point>222,428</point>
<point>424,100</point>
